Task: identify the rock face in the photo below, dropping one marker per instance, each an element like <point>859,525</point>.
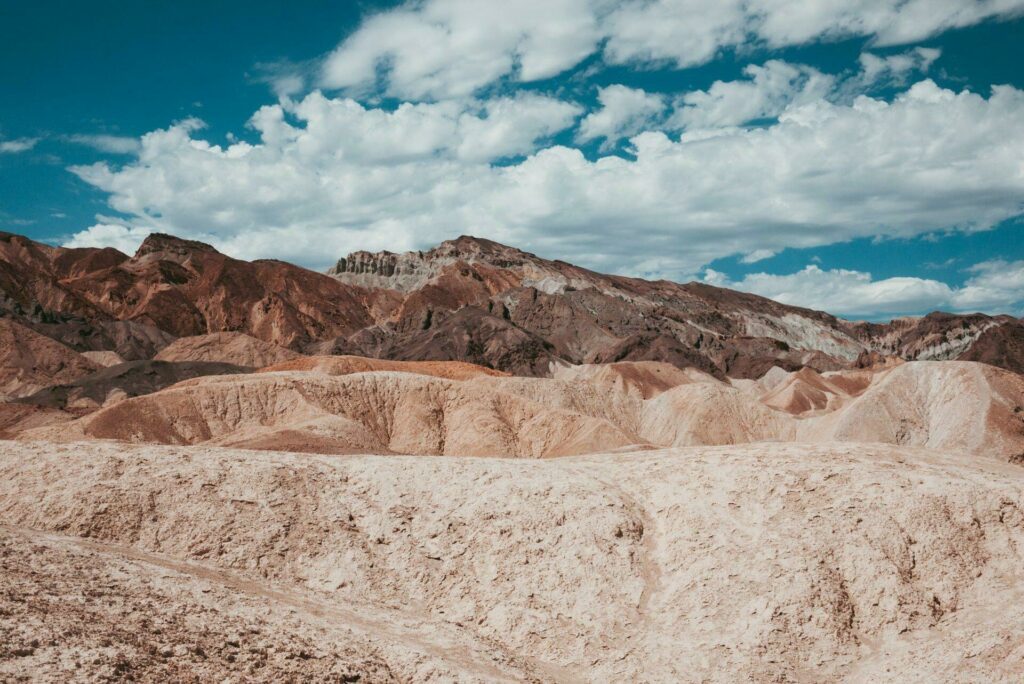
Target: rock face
<point>104,300</point>
<point>29,361</point>
<point>585,317</point>
<point>771,562</point>
<point>467,299</point>
<point>233,348</point>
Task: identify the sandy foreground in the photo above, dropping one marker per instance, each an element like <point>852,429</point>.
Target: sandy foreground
<point>761,562</point>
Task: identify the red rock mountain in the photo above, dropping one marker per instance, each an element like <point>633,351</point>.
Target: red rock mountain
<point>467,299</point>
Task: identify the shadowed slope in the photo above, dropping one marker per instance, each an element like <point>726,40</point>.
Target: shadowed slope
<point>29,361</point>
<point>132,379</point>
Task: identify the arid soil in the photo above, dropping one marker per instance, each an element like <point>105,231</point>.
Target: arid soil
<point>768,562</point>
<point>473,464</point>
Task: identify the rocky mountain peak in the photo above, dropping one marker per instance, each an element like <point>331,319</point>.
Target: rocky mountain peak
<point>172,246</point>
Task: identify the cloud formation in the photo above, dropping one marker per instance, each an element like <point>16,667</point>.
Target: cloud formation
<point>771,89</point>
<point>17,145</point>
<point>329,175</point>
<point>452,48</point>
<point>995,287</point>
<point>112,144</point>
<point>623,113</point>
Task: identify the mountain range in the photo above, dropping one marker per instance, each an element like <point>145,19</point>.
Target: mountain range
<point>209,464</point>
<point>467,299</point>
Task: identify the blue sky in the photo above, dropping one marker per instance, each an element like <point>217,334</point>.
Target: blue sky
<point>865,161</point>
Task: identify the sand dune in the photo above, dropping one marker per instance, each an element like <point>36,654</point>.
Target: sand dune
<point>16,418</point>
<point>645,379</point>
<point>711,414</point>
<point>756,563</point>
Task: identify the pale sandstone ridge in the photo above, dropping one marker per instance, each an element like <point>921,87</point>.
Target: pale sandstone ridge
<point>944,405</point>
<point>772,562</point>
<point>104,359</point>
<point>346,365</point>
<point>645,379</point>
<point>226,347</point>
<point>970,407</point>
<point>380,412</point>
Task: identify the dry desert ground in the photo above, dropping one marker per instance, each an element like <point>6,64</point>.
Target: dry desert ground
<point>337,519</point>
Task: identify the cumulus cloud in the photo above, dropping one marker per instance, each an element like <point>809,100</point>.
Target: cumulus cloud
<point>757,255</point>
<point>17,145</point>
<point>469,131</point>
<point>329,175</point>
<point>452,48</point>
<point>623,113</point>
<point>885,71</point>
<point>112,144</point>
<point>996,287</point>
<point>691,32</point>
<point>121,237</point>
<point>769,91</point>
<point>899,66</point>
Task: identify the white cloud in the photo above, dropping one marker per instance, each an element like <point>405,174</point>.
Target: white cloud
<point>771,89</point>
<point>624,112</point>
<point>843,292</point>
<point>17,145</point>
<point>891,70</point>
<point>330,175</point>
<point>512,126</point>
<point>123,238</point>
<point>112,144</point>
<point>757,255</point>
<point>343,129</point>
<point>898,66</point>
<point>691,32</point>
<point>998,287</point>
<point>451,48</point>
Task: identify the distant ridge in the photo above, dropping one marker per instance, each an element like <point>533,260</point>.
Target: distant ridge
<point>468,299</point>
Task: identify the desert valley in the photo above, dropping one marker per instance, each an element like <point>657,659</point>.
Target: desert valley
<point>475,464</point>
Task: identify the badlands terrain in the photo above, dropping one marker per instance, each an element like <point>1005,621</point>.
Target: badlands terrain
<point>473,464</point>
